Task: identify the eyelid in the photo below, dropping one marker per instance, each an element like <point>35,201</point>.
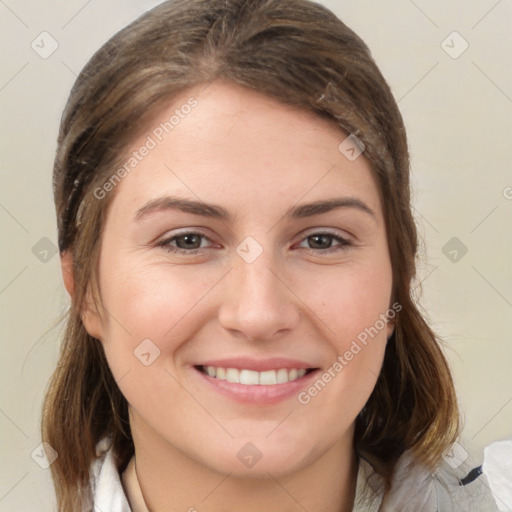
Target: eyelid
<point>165,241</point>
<point>326,231</point>
<point>169,235</point>
<point>341,242</point>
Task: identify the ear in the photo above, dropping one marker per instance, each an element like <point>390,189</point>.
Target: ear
<point>90,315</point>
<point>66,266</point>
<point>390,329</point>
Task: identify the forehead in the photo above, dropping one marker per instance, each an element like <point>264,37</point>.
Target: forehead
<point>234,145</point>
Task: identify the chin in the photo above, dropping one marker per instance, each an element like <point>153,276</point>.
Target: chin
<point>258,458</point>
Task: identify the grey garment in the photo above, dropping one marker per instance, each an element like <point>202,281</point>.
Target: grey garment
<point>456,486</point>
<point>461,488</point>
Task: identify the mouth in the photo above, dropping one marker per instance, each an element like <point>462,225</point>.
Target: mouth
<point>263,383</point>
<point>251,377</point>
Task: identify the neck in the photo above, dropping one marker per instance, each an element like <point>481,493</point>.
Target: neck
<point>167,476</point>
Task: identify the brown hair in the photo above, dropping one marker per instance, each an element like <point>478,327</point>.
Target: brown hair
<point>301,54</point>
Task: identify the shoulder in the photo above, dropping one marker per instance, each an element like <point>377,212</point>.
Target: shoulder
<point>459,484</point>
<point>106,487</point>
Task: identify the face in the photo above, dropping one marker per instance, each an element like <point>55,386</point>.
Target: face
<point>232,312</point>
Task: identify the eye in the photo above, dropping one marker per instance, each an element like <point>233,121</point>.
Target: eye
<point>322,242</point>
<point>191,243</point>
<point>184,243</point>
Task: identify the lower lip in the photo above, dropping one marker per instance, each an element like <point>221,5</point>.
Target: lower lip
<point>255,393</point>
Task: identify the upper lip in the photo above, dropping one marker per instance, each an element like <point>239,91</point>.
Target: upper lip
<point>257,365</point>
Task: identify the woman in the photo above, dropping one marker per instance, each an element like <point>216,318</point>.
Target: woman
<point>235,230</point>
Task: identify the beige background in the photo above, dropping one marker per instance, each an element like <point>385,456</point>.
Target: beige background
<point>458,112</point>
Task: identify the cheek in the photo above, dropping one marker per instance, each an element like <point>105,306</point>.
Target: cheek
<point>352,306</point>
<point>349,300</point>
<point>149,318</point>
<point>156,302</point>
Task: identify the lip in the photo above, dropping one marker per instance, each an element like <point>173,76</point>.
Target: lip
<point>255,394</point>
<point>262,365</point>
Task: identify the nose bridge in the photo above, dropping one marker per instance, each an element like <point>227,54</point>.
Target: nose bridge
<point>257,280</point>
<point>258,303</point>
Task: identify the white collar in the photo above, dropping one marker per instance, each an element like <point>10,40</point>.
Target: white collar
<point>412,487</point>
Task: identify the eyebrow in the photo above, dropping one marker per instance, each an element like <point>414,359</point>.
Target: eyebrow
<point>218,212</point>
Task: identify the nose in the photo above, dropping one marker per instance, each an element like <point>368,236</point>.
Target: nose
<point>258,303</point>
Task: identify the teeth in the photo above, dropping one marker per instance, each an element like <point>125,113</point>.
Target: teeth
<point>233,375</point>
<point>282,376</point>
<point>250,377</point>
<point>268,378</point>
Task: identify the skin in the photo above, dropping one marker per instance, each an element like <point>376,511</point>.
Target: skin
<point>256,158</point>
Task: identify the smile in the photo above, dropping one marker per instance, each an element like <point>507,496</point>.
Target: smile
<point>256,382</point>
<point>251,377</point>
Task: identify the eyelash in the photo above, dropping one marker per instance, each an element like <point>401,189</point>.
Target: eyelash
<point>343,243</point>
